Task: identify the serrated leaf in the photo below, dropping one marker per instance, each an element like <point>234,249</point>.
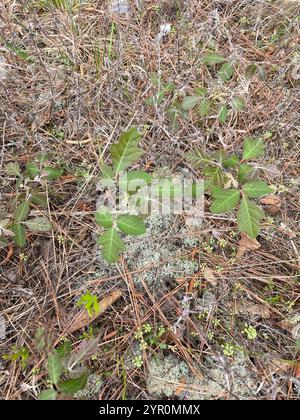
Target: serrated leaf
<point>198,159</point>
<point>133,180</point>
<point>126,151</point>
<point>256,189</point>
<point>253,148</point>
<point>212,58</point>
<point>230,162</point>
<point>250,71</point>
<point>12,169</point>
<point>214,177</point>
<point>219,156</point>
<point>238,103</point>
<point>39,200</point>
<point>131,225</point>
<point>244,173</point>
<point>201,91</point>
<point>31,170</point>
<point>223,113</point>
<point>20,235</point>
<point>190,102</point>
<point>54,367</point>
<point>204,107</point>
<point>112,245</point>
<point>71,386</point>
<point>47,395</point>
<point>226,71</point>
<point>51,173</point>
<point>225,200</point>
<point>249,216</point>
<point>104,218</point>
<point>38,224</point>
<point>21,212</point>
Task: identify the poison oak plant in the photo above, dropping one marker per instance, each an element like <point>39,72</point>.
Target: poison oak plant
<point>30,192</point>
<point>123,155</point>
<point>232,182</point>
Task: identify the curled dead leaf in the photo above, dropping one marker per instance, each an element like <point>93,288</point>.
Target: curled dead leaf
<point>272,203</point>
<point>208,274</point>
<point>246,244</point>
<point>253,309</point>
<point>83,319</point>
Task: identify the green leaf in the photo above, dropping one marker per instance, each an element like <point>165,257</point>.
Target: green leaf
<point>230,162</point>
<point>201,91</point>
<point>20,235</point>
<point>126,151</point>
<point>47,394</point>
<point>204,108</point>
<point>39,224</point>
<point>133,180</point>
<point>12,169</point>
<point>112,245</point>
<point>253,148</point>
<point>198,159</point>
<point>65,349</point>
<point>31,170</point>
<point>21,212</point>
<point>52,173</point>
<point>71,386</point>
<point>226,72</point>
<point>225,200</point>
<point>131,225</point>
<point>256,188</point>
<point>249,216</point>
<point>219,156</point>
<point>54,367</point>
<point>250,71</point>
<point>107,172</point>
<point>213,177</point>
<point>212,58</point>
<point>39,200</point>
<point>223,113</point>
<point>190,102</point>
<point>238,103</point>
<point>244,172</point>
<point>104,218</point>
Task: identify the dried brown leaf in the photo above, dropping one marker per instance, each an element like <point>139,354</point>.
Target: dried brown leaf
<point>246,244</point>
<point>253,309</point>
<point>208,274</point>
<point>83,319</point>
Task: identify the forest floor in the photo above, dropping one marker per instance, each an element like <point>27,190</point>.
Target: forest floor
<point>185,317</point>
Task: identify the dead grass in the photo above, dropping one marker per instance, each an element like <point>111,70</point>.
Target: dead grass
<point>85,73</point>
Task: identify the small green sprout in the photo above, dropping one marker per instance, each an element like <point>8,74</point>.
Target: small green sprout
<point>228,349</point>
<point>18,353</point>
<point>250,332</point>
<point>90,302</point>
<point>138,362</point>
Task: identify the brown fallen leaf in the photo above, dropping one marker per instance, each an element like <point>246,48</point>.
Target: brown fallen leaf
<point>272,203</point>
<point>253,309</point>
<point>246,244</point>
<point>82,319</point>
<point>208,274</point>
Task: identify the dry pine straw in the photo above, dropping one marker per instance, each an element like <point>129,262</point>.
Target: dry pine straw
<point>90,83</point>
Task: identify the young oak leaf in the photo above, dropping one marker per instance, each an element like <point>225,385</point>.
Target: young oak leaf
<point>249,216</point>
<point>256,188</point>
<point>112,245</point>
<point>104,218</point>
<point>225,200</point>
<point>253,148</point>
<point>126,151</point>
<point>131,225</point>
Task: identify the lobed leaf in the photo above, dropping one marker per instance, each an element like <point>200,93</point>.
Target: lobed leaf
<point>225,200</point>
<point>249,216</point>
<point>126,151</point>
<point>112,245</point>
<point>256,189</point>
<point>253,148</point>
<point>131,225</point>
